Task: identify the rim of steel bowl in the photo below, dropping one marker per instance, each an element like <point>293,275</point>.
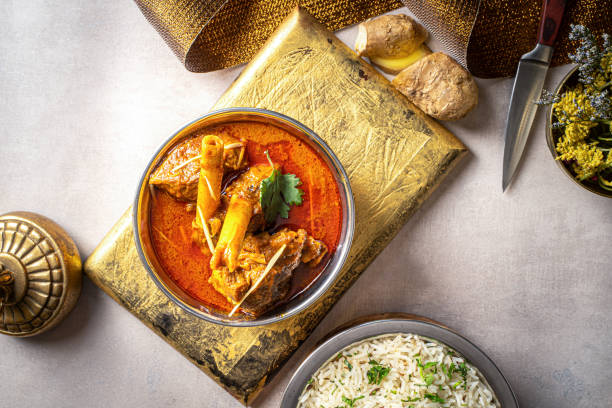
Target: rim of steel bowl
<point>142,233</point>
<point>552,136</point>
<point>371,327</point>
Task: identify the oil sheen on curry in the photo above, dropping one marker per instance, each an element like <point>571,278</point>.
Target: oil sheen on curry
<point>244,216</point>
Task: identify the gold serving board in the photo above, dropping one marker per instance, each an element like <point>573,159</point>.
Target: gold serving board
<point>394,155</point>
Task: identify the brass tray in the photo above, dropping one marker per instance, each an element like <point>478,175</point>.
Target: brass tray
<point>394,155</point>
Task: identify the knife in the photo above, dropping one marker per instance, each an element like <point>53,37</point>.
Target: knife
<point>528,86</point>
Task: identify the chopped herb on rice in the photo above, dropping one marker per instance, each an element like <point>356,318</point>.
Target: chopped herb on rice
<point>397,370</point>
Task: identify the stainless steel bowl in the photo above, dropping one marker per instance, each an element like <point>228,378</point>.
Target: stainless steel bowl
<point>375,326</point>
<point>552,135</point>
<point>184,300</point>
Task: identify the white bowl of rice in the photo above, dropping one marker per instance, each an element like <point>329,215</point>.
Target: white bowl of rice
<point>398,362</point>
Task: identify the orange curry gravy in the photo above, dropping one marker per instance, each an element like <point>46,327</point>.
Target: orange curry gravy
<point>320,213</point>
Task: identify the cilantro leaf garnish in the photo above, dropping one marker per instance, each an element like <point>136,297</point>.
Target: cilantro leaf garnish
<point>464,371</point>
<point>411,399</point>
<point>448,370</point>
<point>278,192</point>
<point>429,379</point>
<point>347,364</point>
<point>377,372</point>
<point>351,402</point>
<point>434,398</point>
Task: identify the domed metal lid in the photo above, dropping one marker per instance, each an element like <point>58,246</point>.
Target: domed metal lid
<point>40,274</point>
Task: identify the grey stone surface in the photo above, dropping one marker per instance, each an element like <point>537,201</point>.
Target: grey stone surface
<point>89,90</point>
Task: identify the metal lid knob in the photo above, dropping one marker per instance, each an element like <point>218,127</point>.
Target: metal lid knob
<point>40,274</point>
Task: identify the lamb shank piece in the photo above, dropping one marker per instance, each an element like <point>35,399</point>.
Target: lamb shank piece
<point>257,250</point>
<point>182,182</point>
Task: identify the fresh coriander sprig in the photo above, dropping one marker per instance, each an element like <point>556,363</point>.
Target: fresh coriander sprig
<point>350,402</point>
<point>428,378</point>
<point>347,364</point>
<point>278,192</point>
<point>463,370</point>
<point>377,372</point>
<point>434,398</point>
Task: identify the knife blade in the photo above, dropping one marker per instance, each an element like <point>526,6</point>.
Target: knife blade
<point>526,91</point>
<point>527,88</point>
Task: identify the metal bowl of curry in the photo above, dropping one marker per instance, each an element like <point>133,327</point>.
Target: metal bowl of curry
<point>244,217</point>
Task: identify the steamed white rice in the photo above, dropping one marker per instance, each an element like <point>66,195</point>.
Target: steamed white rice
<point>409,380</point>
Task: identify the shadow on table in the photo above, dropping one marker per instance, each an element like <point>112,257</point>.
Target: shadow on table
<point>71,328</point>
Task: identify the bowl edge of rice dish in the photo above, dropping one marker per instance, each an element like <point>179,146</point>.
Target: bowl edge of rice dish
<point>397,370</point>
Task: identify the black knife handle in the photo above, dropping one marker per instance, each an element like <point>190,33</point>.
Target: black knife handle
<point>552,14</point>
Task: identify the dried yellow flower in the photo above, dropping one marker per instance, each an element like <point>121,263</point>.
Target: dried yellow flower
<point>587,159</point>
<point>574,106</point>
<point>584,111</point>
<point>577,132</point>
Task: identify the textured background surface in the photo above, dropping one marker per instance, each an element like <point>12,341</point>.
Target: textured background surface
<point>89,91</point>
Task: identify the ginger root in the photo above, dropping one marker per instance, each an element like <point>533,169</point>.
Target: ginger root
<point>390,36</point>
<point>439,86</point>
<point>396,65</point>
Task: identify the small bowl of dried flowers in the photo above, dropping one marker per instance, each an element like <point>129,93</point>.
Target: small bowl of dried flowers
<point>579,121</point>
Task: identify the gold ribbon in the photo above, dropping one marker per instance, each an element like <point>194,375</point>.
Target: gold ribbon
<point>506,29</point>
<point>212,34</point>
<point>487,36</point>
